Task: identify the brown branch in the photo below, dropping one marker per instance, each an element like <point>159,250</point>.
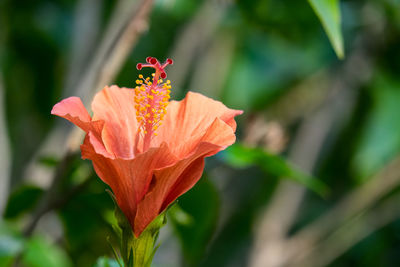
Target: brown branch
<point>85,33</point>
<point>46,202</point>
<point>356,202</point>
<point>5,152</point>
<point>130,23</point>
<point>54,198</point>
<point>277,218</point>
<point>193,39</point>
<point>351,233</point>
<point>208,77</point>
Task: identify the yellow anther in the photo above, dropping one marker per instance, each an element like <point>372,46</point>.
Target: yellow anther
<point>151,101</point>
<point>155,134</point>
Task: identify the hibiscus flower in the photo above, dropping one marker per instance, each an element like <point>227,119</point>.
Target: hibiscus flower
<point>148,149</point>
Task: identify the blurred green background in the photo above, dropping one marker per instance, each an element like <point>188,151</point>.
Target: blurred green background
<point>313,179</point>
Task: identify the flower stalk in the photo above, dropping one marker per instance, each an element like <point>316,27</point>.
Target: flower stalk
<point>137,251</point>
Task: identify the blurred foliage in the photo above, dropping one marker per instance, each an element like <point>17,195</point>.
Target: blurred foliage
<point>86,224</point>
<point>106,262</point>
<point>34,252</point>
<point>195,219</point>
<point>22,200</point>
<point>11,244</point>
<point>380,141</point>
<point>275,48</point>
<point>240,156</point>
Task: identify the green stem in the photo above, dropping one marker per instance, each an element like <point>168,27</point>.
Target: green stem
<point>138,251</point>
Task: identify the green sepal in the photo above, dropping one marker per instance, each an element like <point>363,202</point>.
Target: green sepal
<point>117,259</point>
<point>144,246</point>
<point>137,252</point>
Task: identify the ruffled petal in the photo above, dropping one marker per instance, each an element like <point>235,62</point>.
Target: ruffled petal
<point>73,110</point>
<point>218,133</point>
<point>115,106</point>
<point>188,120</point>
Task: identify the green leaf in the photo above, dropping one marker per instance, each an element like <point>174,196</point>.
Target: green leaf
<point>380,139</point>
<point>39,252</point>
<point>328,12</point>
<point>180,216</point>
<point>49,161</point>
<point>106,262</point>
<point>240,156</point>
<point>195,218</point>
<point>22,200</point>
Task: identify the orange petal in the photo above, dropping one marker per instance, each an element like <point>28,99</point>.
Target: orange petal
<point>129,179</point>
<point>73,110</point>
<point>218,133</point>
<point>112,173</point>
<point>186,121</point>
<point>171,182</point>
<point>115,106</point>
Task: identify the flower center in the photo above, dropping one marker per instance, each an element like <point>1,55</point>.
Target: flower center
<point>151,99</point>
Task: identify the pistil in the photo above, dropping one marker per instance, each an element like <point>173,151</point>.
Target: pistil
<point>151,99</point>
